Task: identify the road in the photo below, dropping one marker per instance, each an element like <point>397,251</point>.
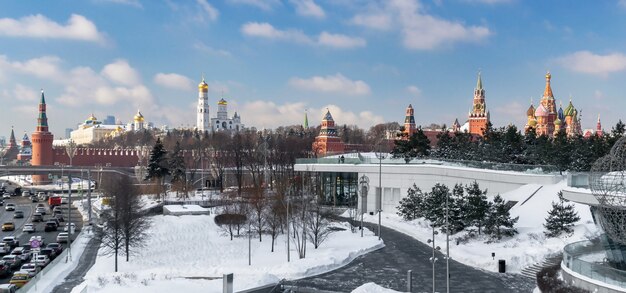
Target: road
<point>388,267</point>
<point>26,205</point>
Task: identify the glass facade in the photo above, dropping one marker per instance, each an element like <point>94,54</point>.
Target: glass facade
<point>338,188</point>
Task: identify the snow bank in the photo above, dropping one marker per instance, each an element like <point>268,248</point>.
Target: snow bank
<point>522,250</point>
<point>372,288</point>
<point>191,253</point>
<point>179,210</point>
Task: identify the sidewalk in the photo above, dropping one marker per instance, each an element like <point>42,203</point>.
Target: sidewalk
<point>87,259</point>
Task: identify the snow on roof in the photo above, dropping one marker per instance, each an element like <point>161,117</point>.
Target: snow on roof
<point>465,127</point>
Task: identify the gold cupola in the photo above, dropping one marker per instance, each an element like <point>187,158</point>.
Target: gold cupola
<point>203,86</point>
<point>138,117</point>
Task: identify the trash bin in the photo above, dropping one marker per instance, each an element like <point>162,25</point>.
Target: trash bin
<point>501,266</point>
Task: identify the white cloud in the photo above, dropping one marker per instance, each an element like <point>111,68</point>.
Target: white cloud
<point>340,41</point>
<point>415,91</point>
<point>308,8</point>
<point>266,5</point>
<point>267,31</point>
<point>200,46</point>
<point>271,115</point>
<point>378,21</point>
<point>332,84</point>
<point>174,81</point>
<point>210,11</point>
<point>78,27</point>
<point>589,63</point>
<point>621,3</point>
<point>121,72</point>
<point>134,3</point>
<point>420,30</point>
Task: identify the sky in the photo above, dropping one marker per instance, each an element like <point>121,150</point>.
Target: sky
<point>272,60</point>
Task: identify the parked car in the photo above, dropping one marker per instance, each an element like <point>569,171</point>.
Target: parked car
<point>31,268</point>
<point>29,228</point>
<point>9,207</point>
<point>41,260</point>
<point>18,214</point>
<point>8,288</point>
<point>41,210</point>
<point>13,261</point>
<point>11,241</point>
<point>63,237</point>
<point>8,226</point>
<point>37,217</point>
<point>20,278</point>
<point>24,255</point>
<point>56,247</point>
<point>50,226</point>
<point>64,200</point>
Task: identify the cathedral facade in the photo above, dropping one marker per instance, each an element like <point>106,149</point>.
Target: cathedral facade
<point>219,123</point>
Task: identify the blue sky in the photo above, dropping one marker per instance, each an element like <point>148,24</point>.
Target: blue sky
<point>366,60</point>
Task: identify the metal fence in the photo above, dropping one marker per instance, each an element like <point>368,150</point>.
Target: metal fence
<point>596,270</point>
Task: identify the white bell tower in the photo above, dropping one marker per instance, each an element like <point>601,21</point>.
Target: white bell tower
<point>202,123</point>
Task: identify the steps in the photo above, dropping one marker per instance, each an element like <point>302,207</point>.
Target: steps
<point>531,271</point>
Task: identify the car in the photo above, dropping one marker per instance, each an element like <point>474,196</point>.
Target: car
<point>23,254</point>
<point>63,237</point>
<point>6,195</point>
<point>1,202</point>
<point>11,241</point>
<point>36,238</point>
<point>29,228</point>
<point>50,253</point>
<point>37,217</point>
<point>41,205</point>
<point>5,269</point>
<point>8,288</point>
<point>31,268</point>
<point>18,214</point>
<point>64,200</point>
<point>56,247</point>
<point>41,260</point>
<point>67,225</point>
<point>53,219</point>
<point>20,278</point>
<point>13,261</point>
<point>4,248</point>
<point>50,226</point>
<point>9,207</point>
<point>41,194</point>
<point>59,217</point>
<point>25,193</point>
<point>8,226</point>
<point>40,210</point>
<point>34,198</point>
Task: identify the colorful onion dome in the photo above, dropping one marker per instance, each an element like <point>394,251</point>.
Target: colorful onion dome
<point>532,123</point>
<point>138,117</point>
<point>570,110</point>
<point>541,111</point>
<point>558,122</point>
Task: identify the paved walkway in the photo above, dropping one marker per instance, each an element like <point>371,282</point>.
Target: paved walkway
<point>388,267</point>
<point>87,259</point>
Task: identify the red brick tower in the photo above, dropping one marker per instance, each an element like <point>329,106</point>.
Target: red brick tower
<point>478,116</point>
<point>41,141</point>
<point>327,142</point>
<point>545,126</point>
<point>409,121</point>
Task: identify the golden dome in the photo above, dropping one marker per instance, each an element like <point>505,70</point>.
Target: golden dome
<point>548,76</point>
<point>222,102</point>
<point>557,121</point>
<point>138,117</point>
<point>532,123</point>
<point>203,86</point>
<point>92,118</point>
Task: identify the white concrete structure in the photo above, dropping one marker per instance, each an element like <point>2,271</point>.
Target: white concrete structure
<point>397,178</point>
<point>202,121</point>
<point>222,122</point>
<point>179,210</point>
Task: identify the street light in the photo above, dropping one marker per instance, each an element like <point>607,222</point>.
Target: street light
<point>447,257</point>
<point>379,198</point>
<point>364,187</point>
<point>433,259</point>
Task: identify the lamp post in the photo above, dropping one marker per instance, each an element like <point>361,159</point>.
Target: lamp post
<point>379,199</point>
<point>433,259</point>
<point>364,186</point>
<point>447,243</point>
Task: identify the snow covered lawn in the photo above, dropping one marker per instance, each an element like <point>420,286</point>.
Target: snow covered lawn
<point>522,250</point>
<point>189,253</point>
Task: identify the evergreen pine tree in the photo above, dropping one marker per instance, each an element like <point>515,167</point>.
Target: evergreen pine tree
<point>499,222</point>
<point>561,218</point>
<point>456,204</point>
<point>410,207</point>
<point>178,169</point>
<point>157,164</point>
<point>476,206</point>
<point>435,203</point>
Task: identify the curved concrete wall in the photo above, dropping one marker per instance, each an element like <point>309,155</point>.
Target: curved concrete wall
<point>425,176</point>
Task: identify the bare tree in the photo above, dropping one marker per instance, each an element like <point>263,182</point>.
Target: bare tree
<point>257,206</point>
<point>318,226</point>
<point>134,220</point>
<point>111,235</point>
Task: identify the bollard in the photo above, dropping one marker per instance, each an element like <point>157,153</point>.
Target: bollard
<point>228,283</point>
<point>409,281</point>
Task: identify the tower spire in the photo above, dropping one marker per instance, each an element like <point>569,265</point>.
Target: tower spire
<point>547,93</point>
<point>42,119</point>
<point>306,119</point>
<point>479,83</point>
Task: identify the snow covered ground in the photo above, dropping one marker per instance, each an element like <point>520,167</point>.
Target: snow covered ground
<point>372,288</point>
<point>188,253</point>
<point>522,250</point>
